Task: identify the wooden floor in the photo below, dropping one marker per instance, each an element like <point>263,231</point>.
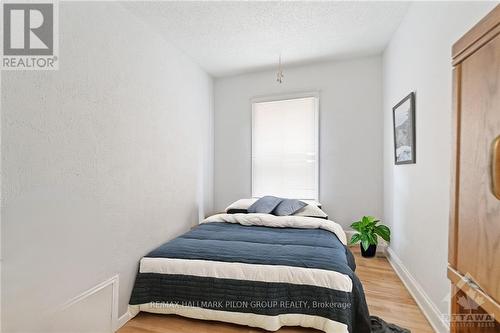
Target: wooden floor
<point>385,294</point>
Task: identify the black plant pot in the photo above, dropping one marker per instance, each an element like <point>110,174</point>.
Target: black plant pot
<point>370,253</point>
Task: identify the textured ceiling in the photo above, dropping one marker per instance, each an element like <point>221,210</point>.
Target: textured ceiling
<point>227,38</point>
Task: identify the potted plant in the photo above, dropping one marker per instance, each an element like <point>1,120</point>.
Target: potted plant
<point>367,234</point>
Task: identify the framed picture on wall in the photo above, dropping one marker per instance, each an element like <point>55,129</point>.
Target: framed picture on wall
<point>403,116</point>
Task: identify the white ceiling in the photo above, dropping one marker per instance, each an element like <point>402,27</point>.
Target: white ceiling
<point>227,38</point>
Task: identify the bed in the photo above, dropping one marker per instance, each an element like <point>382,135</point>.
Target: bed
<point>258,270</point>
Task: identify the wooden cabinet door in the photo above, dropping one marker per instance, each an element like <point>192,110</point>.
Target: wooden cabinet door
<point>478,234</point>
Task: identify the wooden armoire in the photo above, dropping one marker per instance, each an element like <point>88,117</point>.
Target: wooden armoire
<point>474,240</point>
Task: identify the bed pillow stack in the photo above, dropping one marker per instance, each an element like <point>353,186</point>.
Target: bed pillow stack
<point>276,206</point>
<point>265,205</point>
<point>289,207</point>
<point>312,211</point>
<point>240,206</point>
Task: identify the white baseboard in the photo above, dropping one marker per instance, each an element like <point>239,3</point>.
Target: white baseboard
<point>116,322</point>
<point>123,320</point>
<point>428,308</point>
<point>112,282</point>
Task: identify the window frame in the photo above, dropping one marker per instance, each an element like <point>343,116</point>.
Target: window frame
<point>276,98</point>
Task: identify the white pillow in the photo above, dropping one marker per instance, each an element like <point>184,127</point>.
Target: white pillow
<point>311,211</point>
<point>241,204</point>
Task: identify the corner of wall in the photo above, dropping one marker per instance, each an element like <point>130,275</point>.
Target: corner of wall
<point>416,196</point>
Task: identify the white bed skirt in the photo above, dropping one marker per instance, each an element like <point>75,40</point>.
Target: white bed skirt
<point>270,323</point>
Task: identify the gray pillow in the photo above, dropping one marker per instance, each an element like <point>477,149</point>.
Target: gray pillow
<point>288,207</point>
<point>265,205</point>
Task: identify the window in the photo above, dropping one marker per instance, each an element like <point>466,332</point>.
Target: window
<point>285,148</point>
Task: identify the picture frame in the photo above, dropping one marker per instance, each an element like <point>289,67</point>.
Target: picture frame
<point>403,120</point>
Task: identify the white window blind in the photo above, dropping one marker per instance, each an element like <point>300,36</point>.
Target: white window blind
<point>285,148</point>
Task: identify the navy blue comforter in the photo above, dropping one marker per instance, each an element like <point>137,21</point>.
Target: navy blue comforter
<point>226,242</point>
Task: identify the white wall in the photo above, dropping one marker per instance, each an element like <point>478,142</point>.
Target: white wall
<point>102,161</point>
<point>350,133</point>
<point>416,197</point>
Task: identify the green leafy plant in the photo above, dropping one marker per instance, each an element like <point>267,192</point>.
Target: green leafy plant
<point>368,232</point>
